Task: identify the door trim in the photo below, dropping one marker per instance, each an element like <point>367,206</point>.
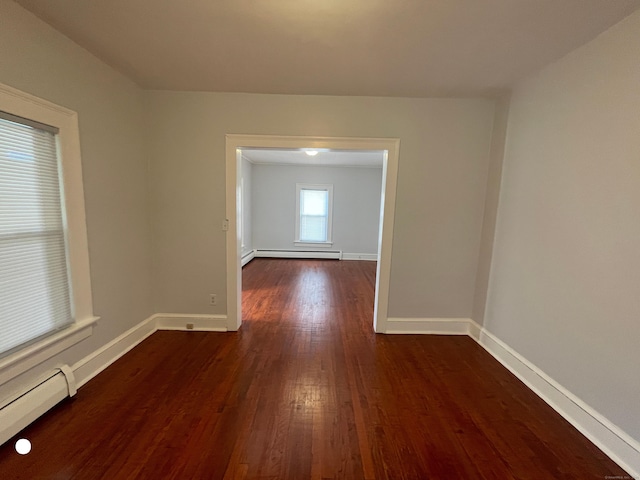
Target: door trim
<point>234,144</point>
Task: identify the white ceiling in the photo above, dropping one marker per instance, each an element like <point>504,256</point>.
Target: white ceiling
<point>410,48</point>
<point>326,158</point>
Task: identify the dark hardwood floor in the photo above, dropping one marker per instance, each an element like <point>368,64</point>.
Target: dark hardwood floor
<point>305,390</point>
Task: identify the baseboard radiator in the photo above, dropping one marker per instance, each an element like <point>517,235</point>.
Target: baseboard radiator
<point>329,254</point>
<point>24,407</point>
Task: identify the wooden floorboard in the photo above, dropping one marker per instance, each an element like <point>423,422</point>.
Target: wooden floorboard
<point>305,390</point>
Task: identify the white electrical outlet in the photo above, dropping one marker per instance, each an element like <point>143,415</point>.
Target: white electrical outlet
<point>213,299</point>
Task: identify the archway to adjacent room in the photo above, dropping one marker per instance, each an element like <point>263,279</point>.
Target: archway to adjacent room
<point>234,146</point>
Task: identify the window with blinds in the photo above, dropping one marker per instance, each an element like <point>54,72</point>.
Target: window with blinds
<point>35,296</point>
<point>314,213</point>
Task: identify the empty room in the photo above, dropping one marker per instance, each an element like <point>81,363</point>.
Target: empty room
<point>302,239</point>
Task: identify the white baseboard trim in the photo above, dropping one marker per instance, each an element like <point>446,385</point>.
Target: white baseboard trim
<point>96,362</point>
<point>314,254</point>
<point>475,330</point>
<point>327,254</point>
<point>373,257</point>
<point>247,257</point>
<point>201,323</point>
<point>612,440</point>
<point>428,326</point>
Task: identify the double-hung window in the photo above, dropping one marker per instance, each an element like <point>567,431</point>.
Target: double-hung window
<point>44,269</point>
<point>34,283</point>
<point>313,213</point>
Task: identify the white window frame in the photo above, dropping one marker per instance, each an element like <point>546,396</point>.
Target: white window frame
<point>27,106</point>
<point>309,186</point>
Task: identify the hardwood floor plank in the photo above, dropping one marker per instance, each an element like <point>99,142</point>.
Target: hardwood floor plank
<point>305,390</point>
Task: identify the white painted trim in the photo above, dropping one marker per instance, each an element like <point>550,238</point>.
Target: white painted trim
<point>319,187</point>
<point>474,330</point>
<point>247,257</point>
<point>91,365</point>
<point>233,211</point>
<point>31,107</point>
<point>38,352</point>
<point>428,326</point>
<point>97,361</point>
<point>385,238</point>
<point>201,323</point>
<point>611,439</point>
<point>332,254</point>
<point>263,253</point>
<point>24,105</point>
<point>372,257</point>
<point>298,243</point>
<point>234,144</point>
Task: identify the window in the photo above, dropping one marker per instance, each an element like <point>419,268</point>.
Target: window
<point>35,296</point>
<point>313,213</point>
<point>45,290</point>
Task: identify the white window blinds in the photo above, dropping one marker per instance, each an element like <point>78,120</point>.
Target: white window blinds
<point>34,282</point>
<point>314,215</point>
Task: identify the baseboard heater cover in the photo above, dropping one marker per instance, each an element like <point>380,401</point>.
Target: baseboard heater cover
<point>331,254</point>
<point>25,407</point>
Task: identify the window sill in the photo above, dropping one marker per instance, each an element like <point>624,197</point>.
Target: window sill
<point>36,353</point>
<point>298,243</point>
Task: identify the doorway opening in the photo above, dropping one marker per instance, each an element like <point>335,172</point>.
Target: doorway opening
<point>389,149</point>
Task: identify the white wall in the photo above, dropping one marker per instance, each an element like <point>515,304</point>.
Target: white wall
<point>443,168</point>
<point>356,205</point>
<point>247,206</point>
<point>563,288</point>
<point>442,177</point>
<point>565,282</point>
<point>40,61</point>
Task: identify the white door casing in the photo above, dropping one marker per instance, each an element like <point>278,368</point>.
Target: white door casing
<point>234,144</point>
